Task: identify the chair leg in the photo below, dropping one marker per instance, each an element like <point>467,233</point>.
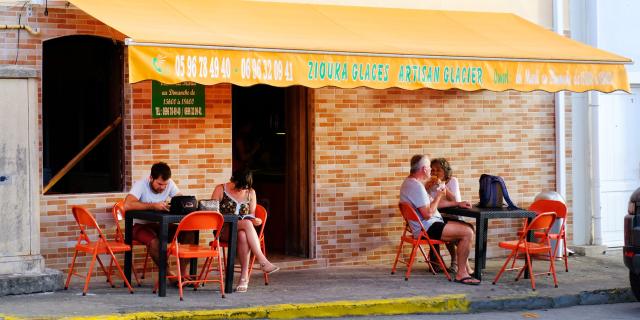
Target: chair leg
<point>106,272</point>
<point>206,268</point>
<point>512,255</point>
<point>427,260</point>
<point>553,272</point>
<point>252,260</point>
<point>73,263</point>
<point>442,265</point>
<point>126,282</point>
<point>224,257</point>
<point>221,275</point>
<point>410,263</point>
<point>395,263</point>
<point>135,275</point>
<point>531,275</point>
<point>89,271</point>
<point>264,252</point>
<point>179,277</point>
<point>144,266</point>
<point>566,257</point>
<point>110,270</point>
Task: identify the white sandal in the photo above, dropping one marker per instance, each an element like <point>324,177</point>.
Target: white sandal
<point>243,285</point>
<point>275,268</point>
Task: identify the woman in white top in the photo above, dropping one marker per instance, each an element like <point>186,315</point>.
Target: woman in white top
<point>442,177</point>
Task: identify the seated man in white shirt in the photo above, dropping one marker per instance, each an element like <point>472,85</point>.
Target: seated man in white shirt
<point>413,191</point>
<point>151,194</point>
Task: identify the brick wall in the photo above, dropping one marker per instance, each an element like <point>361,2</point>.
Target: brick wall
<point>198,150</point>
<point>363,140</point>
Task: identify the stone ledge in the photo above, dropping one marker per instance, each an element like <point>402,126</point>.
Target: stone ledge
<point>589,251</point>
<point>47,281</point>
<point>13,72</point>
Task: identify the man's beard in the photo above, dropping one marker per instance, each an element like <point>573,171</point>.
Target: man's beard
<point>153,189</point>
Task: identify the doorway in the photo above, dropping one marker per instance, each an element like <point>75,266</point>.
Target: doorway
<point>271,137</point>
<point>619,160</point>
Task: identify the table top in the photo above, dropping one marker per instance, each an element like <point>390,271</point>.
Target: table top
<point>488,213</point>
<point>159,216</point>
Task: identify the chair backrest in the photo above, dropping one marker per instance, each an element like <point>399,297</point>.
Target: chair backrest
<point>410,215</point>
<point>118,212</point>
<point>545,205</point>
<point>541,223</point>
<point>85,221</point>
<point>200,220</point>
<point>261,213</point>
<point>407,212</point>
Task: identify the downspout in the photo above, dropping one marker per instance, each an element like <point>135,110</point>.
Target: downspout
<point>561,159</point>
<point>591,35</point>
<point>594,142</point>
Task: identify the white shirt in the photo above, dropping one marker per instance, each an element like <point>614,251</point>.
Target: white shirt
<point>413,192</point>
<point>452,187</point>
<point>142,190</point>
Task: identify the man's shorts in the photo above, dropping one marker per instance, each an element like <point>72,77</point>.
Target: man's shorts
<point>146,232</point>
<point>435,230</point>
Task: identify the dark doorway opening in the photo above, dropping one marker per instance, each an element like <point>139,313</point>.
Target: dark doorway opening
<point>82,94</point>
<point>271,137</point>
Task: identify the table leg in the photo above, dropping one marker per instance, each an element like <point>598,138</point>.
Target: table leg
<point>481,253</point>
<point>231,257</point>
<point>485,232</point>
<point>162,268</point>
<point>128,239</point>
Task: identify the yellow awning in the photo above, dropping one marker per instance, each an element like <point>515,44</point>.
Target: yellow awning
<point>283,44</point>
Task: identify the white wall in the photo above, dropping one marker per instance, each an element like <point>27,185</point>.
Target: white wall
<point>618,25</point>
<point>610,25</point>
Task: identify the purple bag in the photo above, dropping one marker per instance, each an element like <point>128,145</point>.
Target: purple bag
<point>492,192</point>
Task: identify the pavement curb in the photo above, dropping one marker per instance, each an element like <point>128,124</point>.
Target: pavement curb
<point>535,301</point>
<point>454,303</point>
<point>450,303</point>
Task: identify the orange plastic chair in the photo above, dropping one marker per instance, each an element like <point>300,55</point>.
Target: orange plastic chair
<point>197,221</point>
<point>561,213</point>
<point>118,214</point>
<point>541,223</point>
<point>261,213</point>
<point>101,246</point>
<point>409,214</point>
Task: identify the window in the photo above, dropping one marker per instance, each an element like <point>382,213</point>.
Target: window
<point>82,94</point>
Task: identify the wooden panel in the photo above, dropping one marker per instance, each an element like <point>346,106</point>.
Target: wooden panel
<point>297,185</point>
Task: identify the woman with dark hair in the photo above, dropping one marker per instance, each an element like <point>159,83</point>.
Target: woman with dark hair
<point>442,178</point>
<point>238,197</point>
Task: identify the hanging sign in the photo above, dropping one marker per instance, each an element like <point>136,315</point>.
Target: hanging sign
<point>182,100</point>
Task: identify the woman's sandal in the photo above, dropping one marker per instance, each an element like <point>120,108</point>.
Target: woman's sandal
<point>270,271</point>
<point>468,281</point>
<point>243,286</point>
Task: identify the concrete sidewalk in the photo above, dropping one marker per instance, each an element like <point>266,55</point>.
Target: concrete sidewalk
<point>340,292</point>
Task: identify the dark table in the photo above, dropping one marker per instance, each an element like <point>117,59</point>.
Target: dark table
<point>482,216</point>
<point>164,219</point>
